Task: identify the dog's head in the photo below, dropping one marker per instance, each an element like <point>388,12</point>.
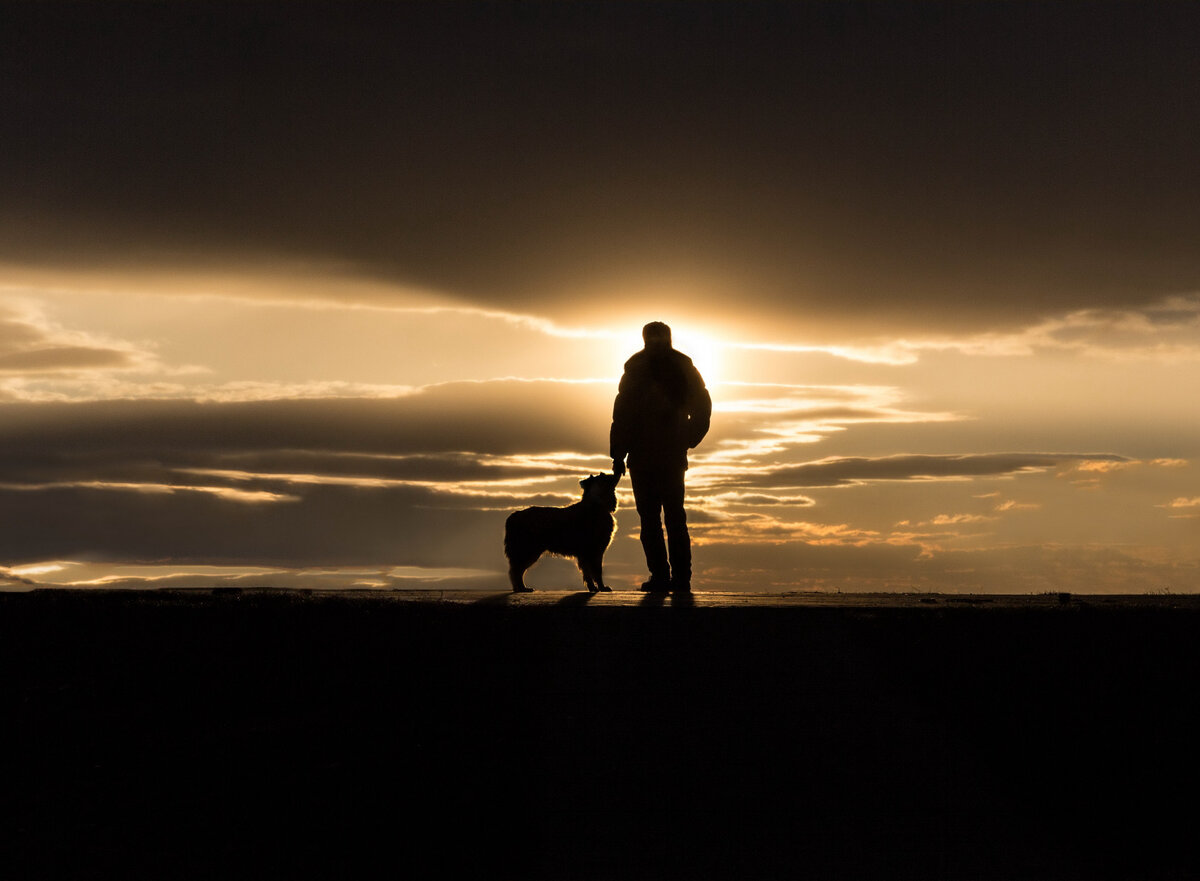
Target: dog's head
<point>601,489</point>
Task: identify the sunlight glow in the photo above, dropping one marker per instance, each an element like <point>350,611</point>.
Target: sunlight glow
<point>705,351</point>
<point>33,569</point>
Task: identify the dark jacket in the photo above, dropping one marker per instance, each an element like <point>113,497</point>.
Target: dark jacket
<point>662,410</point>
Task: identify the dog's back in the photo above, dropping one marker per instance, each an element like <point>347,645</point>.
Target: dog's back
<point>563,531</point>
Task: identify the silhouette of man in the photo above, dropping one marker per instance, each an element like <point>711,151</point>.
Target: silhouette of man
<point>661,411</point>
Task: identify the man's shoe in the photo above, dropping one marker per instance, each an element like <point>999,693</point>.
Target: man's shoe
<point>657,584</point>
<point>681,586</point>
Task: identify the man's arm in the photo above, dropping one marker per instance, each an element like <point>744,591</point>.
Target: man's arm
<point>618,433</point>
<point>699,408</point>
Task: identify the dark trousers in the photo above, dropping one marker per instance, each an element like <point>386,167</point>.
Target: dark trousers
<point>659,491</point>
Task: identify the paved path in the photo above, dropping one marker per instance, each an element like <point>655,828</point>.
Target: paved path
<point>559,735</point>
<point>733,599</point>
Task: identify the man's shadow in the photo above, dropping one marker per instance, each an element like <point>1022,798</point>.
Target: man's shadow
<point>658,599</point>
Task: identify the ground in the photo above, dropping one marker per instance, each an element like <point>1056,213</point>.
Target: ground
<point>567,736</point>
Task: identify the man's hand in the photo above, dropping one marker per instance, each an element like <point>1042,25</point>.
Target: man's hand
<point>619,467</point>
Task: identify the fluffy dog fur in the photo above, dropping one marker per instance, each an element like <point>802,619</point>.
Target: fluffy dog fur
<point>582,530</point>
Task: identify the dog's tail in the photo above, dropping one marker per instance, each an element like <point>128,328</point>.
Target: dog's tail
<point>508,535</point>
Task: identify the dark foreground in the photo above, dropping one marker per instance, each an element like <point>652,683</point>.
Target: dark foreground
<point>173,735</point>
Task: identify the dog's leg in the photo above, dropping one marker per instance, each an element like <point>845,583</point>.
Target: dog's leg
<point>600,585</point>
<point>516,575</point>
<point>591,568</point>
<point>586,568</point>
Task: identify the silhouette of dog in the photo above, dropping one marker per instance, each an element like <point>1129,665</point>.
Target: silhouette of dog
<point>583,530</point>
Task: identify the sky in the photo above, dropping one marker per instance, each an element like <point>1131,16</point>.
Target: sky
<point>314,295</point>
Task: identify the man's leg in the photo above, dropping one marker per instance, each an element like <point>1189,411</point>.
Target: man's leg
<point>649,503</point>
<point>678,540</point>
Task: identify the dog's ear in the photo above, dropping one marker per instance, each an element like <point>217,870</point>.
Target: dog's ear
<point>585,482</point>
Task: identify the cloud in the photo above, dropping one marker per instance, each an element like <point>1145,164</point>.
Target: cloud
<point>950,520</point>
<point>418,480</point>
<point>358,479</point>
<point>117,576</point>
<point>31,345</point>
<point>845,471</point>
<point>755,529</point>
<point>14,576</point>
<point>421,479</point>
<point>501,418</point>
<point>726,500</point>
<point>1103,466</point>
<point>483,433</point>
<point>52,359</point>
<point>537,173</point>
<point>238,276</point>
<point>228,493</point>
<point>326,526</point>
<point>1188,508</point>
<point>1165,329</point>
<point>1013,505</point>
<point>1162,329</point>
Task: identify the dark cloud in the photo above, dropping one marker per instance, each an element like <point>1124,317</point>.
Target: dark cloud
<point>426,479</point>
<point>397,481</point>
<point>766,500</point>
<point>501,417</point>
<point>63,358</point>
<point>124,481</point>
<point>857,469</point>
<point>328,526</point>
<point>267,469</point>
<point>12,578</point>
<point>346,580</point>
<point>28,348</point>
<point>948,164</point>
<point>432,467</point>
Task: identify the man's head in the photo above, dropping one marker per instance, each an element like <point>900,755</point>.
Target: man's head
<point>656,336</point>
